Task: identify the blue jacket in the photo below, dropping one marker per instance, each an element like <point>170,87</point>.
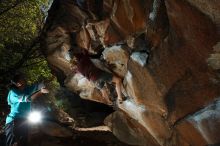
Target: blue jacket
<point>20,102</point>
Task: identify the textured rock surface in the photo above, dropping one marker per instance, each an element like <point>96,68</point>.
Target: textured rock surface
<point>166,52</point>
<point>121,124</point>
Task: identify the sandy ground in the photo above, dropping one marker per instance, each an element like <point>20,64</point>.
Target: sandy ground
<point>93,136</point>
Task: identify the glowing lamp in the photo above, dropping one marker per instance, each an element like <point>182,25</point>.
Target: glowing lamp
<point>35,117</point>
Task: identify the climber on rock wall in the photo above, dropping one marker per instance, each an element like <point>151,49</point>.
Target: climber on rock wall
<point>82,63</point>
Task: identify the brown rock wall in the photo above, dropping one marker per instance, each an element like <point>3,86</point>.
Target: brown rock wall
<point>121,124</point>
<point>167,56</point>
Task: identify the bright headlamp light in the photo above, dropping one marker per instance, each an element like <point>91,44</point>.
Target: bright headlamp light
<point>35,117</point>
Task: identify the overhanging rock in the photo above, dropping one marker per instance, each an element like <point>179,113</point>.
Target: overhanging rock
<point>166,52</point>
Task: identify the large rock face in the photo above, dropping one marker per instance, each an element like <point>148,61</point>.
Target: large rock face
<point>166,52</point>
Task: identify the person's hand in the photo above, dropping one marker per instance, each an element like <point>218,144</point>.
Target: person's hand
<point>112,66</point>
<point>73,68</point>
<point>44,90</point>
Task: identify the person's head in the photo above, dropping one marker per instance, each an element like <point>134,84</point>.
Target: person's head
<point>74,51</point>
<point>75,54</point>
<point>18,81</point>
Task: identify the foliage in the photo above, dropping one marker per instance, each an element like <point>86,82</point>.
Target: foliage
<point>21,22</point>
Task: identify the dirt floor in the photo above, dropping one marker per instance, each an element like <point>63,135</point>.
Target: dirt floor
<point>95,136</point>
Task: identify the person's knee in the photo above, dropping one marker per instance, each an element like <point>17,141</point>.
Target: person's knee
<point>100,84</point>
<point>116,79</point>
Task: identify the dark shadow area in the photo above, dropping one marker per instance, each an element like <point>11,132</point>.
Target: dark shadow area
<point>85,113</point>
<point>80,138</point>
